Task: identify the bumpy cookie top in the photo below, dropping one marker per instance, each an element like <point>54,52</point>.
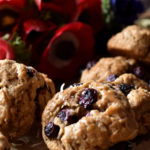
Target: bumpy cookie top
<point>19,95</point>
<point>107,69</point>
<point>138,95</point>
<point>88,116</point>
<point>133,42</point>
<point>4,145</point>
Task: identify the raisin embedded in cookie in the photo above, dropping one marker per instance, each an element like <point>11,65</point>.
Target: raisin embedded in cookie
<point>88,116</point>
<point>20,94</point>
<point>132,80</point>
<point>107,69</point>
<point>138,95</point>
<point>133,42</point>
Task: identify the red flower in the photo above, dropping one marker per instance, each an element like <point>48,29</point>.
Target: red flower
<point>36,33</point>
<point>6,51</point>
<point>14,4</point>
<point>10,12</point>
<point>39,4</point>
<point>71,46</point>
<point>90,12</point>
<point>36,25</point>
<point>65,7</point>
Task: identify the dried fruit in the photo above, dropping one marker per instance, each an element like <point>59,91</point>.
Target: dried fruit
<point>65,115</point>
<point>126,88</point>
<point>90,64</point>
<point>30,72</point>
<point>111,77</point>
<point>51,130</point>
<point>88,97</point>
<point>139,72</point>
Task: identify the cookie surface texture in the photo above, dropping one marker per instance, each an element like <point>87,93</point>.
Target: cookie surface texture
<point>88,116</point>
<point>107,69</point>
<point>133,42</point>
<point>20,97</point>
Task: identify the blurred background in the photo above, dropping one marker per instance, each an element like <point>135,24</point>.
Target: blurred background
<point>62,37</point>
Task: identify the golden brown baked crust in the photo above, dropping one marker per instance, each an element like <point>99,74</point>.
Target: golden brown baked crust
<point>19,94</point>
<point>131,79</point>
<point>139,99</point>
<point>133,42</point>
<point>107,66</point>
<point>4,144</point>
<point>107,121</point>
<point>45,93</point>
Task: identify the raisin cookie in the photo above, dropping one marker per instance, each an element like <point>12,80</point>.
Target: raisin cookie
<point>138,95</point>
<point>4,144</point>
<point>22,91</point>
<point>133,42</point>
<point>88,116</point>
<point>108,69</point>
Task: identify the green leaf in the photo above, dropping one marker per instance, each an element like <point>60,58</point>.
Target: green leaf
<point>22,52</point>
<point>108,14</point>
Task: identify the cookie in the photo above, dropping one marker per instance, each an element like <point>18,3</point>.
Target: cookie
<point>44,94</point>
<point>108,69</point>
<point>131,79</point>
<point>139,100</point>
<point>138,95</point>
<point>21,97</point>
<point>4,144</point>
<point>88,116</point>
<point>133,42</point>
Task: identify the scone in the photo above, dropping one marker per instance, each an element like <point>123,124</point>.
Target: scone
<point>108,69</point>
<point>138,95</point>
<point>133,42</point>
<point>89,116</point>
<point>23,91</point>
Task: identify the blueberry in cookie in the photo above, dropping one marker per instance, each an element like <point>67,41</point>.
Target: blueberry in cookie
<point>107,69</point>
<point>88,116</point>
<point>23,92</point>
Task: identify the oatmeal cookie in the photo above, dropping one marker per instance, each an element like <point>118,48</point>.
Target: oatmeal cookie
<point>4,144</point>
<point>133,42</point>
<point>22,88</point>
<point>131,79</point>
<point>108,69</point>
<point>44,94</point>
<point>88,116</point>
<point>138,95</point>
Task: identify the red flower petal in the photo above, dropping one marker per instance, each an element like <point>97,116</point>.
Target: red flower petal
<point>36,25</point>
<point>39,4</point>
<point>11,11</point>
<point>70,48</point>
<point>67,7</point>
<point>16,4</point>
<point>38,42</point>
<point>90,12</point>
<point>6,51</point>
